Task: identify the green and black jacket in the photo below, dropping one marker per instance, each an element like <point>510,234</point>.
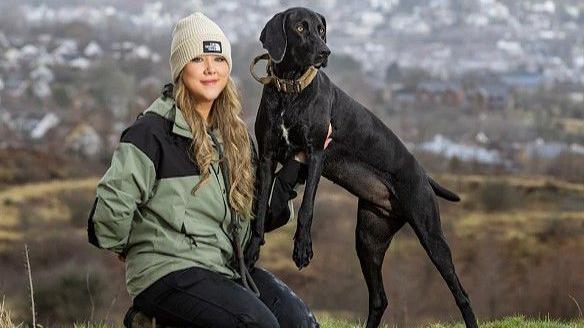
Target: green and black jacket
<point>144,208</point>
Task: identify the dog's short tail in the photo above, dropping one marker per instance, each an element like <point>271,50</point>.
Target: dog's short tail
<point>443,192</point>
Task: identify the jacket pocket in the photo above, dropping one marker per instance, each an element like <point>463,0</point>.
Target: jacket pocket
<point>198,233</point>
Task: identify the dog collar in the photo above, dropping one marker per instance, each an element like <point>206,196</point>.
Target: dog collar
<point>283,85</point>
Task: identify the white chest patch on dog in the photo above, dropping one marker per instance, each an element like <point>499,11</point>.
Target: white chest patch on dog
<point>285,133</point>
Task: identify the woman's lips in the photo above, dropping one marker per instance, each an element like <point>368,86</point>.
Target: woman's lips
<point>208,82</point>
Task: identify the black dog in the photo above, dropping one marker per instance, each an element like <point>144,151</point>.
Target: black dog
<point>364,157</point>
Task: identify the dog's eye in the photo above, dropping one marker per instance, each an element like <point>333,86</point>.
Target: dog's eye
<point>321,30</point>
<point>300,28</point>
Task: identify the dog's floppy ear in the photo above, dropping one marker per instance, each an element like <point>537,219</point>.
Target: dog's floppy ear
<point>273,37</point>
<point>324,24</point>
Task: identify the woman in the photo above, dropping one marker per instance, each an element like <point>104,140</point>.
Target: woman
<point>165,207</point>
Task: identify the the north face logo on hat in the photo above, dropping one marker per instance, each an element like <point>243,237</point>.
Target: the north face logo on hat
<point>212,46</point>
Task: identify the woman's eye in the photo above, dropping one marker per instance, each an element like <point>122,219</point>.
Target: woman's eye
<point>300,28</point>
<point>197,59</point>
<point>219,59</point>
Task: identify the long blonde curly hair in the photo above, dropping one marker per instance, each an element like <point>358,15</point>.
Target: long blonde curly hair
<point>224,115</point>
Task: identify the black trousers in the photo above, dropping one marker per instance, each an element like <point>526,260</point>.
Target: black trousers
<point>196,297</point>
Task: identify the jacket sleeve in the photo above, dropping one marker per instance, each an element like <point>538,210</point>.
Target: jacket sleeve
<point>126,184</point>
<point>286,181</point>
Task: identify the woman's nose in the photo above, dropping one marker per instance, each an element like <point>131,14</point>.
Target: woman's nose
<point>209,65</point>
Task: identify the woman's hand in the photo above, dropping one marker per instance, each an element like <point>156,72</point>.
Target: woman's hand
<point>301,156</point>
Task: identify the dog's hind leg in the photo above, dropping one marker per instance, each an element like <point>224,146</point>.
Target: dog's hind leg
<point>372,237</point>
<point>425,221</point>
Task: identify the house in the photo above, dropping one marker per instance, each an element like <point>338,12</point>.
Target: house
<point>24,123</point>
<point>403,98</point>
<point>140,52</point>
<point>15,85</point>
<point>440,93</point>
<point>394,75</point>
<point>41,78</point>
<point>4,43</point>
<point>523,81</point>
<point>29,52</point>
<point>93,50</point>
<point>121,50</point>
<point>80,63</point>
<point>490,97</point>
<point>49,121</point>
<point>42,73</point>
<point>66,51</point>
<point>83,140</point>
<point>539,148</point>
<point>465,152</point>
<point>7,136</point>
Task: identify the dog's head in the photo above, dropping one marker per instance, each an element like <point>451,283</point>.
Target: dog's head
<point>297,37</point>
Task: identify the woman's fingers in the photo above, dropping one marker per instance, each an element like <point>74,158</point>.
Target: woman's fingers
<point>301,156</point>
<point>328,136</point>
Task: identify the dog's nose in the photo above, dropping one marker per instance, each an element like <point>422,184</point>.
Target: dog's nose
<point>325,53</point>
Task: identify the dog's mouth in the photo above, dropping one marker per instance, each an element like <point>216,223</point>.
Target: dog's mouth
<point>319,62</point>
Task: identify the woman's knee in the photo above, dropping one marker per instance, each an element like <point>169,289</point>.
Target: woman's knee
<point>288,308</point>
<point>292,312</point>
<point>259,316</point>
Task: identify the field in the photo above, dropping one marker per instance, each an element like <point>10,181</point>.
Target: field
<point>516,242</point>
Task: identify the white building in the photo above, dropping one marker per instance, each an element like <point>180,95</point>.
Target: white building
<point>93,50</point>
<point>49,121</point>
<point>84,140</point>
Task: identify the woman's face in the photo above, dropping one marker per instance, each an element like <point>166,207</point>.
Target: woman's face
<point>206,76</point>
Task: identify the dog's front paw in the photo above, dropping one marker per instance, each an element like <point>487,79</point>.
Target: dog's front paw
<point>302,252</point>
<point>252,252</point>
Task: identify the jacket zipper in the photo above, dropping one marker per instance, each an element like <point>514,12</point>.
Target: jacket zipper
<point>223,194</point>
<point>190,236</point>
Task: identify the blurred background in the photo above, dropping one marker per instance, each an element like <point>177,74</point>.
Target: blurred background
<point>488,95</point>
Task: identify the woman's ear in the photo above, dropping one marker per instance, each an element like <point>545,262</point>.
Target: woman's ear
<point>273,37</point>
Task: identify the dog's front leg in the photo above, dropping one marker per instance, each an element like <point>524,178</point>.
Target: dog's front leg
<point>265,174</point>
<point>302,239</point>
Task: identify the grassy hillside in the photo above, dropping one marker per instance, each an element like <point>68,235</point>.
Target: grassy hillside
<point>516,243</point>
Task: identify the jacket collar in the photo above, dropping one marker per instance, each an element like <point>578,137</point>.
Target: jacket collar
<point>166,107</point>
<point>180,125</point>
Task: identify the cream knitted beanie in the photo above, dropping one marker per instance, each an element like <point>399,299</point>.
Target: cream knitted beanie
<point>193,36</point>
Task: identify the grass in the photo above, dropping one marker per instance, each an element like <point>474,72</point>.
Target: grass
<point>509,322</point>
<point>520,321</point>
<point>5,319</point>
<point>11,196</point>
<point>328,322</point>
<point>87,325</point>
